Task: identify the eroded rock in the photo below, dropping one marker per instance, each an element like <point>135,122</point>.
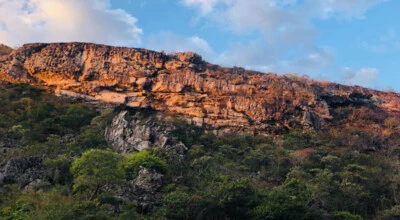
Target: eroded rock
<point>221,100</point>
<point>131,133</point>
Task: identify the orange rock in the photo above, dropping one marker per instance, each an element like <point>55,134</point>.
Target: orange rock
<point>223,100</point>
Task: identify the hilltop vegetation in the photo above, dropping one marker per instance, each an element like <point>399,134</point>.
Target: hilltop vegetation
<point>4,50</point>
<point>349,171</point>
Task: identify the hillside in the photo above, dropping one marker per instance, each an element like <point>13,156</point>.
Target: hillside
<point>98,132</point>
<point>223,100</point>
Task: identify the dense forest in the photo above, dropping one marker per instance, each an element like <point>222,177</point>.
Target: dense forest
<point>344,172</point>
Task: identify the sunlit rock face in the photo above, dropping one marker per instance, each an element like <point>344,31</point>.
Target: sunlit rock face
<point>222,100</point>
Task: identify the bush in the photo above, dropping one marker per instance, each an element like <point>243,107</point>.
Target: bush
<point>144,158</point>
<point>392,214</point>
<point>76,116</point>
<point>346,216</point>
<point>57,170</point>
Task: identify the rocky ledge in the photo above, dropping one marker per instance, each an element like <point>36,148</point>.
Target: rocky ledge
<point>222,100</point>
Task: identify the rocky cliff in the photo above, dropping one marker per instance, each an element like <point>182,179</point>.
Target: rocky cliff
<point>222,100</point>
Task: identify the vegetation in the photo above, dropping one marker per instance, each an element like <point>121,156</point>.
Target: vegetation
<point>343,172</point>
<point>4,50</point>
<point>134,162</point>
<point>96,169</point>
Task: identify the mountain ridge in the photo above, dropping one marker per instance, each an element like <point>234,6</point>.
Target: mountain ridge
<point>221,100</point>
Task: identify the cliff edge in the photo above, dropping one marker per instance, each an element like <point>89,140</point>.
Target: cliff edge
<point>222,100</point>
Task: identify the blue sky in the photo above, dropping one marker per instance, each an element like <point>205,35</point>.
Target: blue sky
<point>354,42</point>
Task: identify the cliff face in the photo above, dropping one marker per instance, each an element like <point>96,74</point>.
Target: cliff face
<point>223,100</point>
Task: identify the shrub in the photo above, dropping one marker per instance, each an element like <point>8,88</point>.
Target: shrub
<point>393,213</point>
<point>346,216</point>
<point>144,158</point>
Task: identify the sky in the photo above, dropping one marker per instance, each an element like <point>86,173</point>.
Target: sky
<point>354,42</point>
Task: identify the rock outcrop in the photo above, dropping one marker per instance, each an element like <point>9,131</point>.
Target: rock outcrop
<point>130,133</point>
<point>26,171</point>
<point>222,100</point>
<point>144,190</point>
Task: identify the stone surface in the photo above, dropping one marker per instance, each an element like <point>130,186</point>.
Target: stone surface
<point>221,100</point>
<point>24,171</point>
<point>143,190</point>
<point>130,133</point>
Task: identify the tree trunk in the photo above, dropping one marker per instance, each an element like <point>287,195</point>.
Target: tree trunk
<point>94,193</point>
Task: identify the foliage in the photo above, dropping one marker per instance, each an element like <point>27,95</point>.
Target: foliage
<point>392,213</point>
<point>38,114</point>
<point>4,50</point>
<point>289,202</point>
<point>95,169</point>
<point>145,158</point>
<point>346,216</point>
<point>350,170</point>
<point>58,170</point>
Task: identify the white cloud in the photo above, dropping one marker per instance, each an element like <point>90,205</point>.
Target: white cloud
<point>347,8</point>
<point>285,29</point>
<point>23,21</point>
<point>251,56</point>
<point>170,42</point>
<point>366,76</point>
<point>205,5</point>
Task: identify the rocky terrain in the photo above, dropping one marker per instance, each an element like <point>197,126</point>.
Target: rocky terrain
<point>314,147</point>
<point>222,100</point>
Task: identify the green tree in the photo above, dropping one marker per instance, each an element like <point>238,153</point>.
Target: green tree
<point>76,116</point>
<point>144,158</point>
<point>96,169</point>
<point>288,202</point>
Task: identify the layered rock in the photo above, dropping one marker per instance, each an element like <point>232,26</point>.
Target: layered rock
<point>222,100</point>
